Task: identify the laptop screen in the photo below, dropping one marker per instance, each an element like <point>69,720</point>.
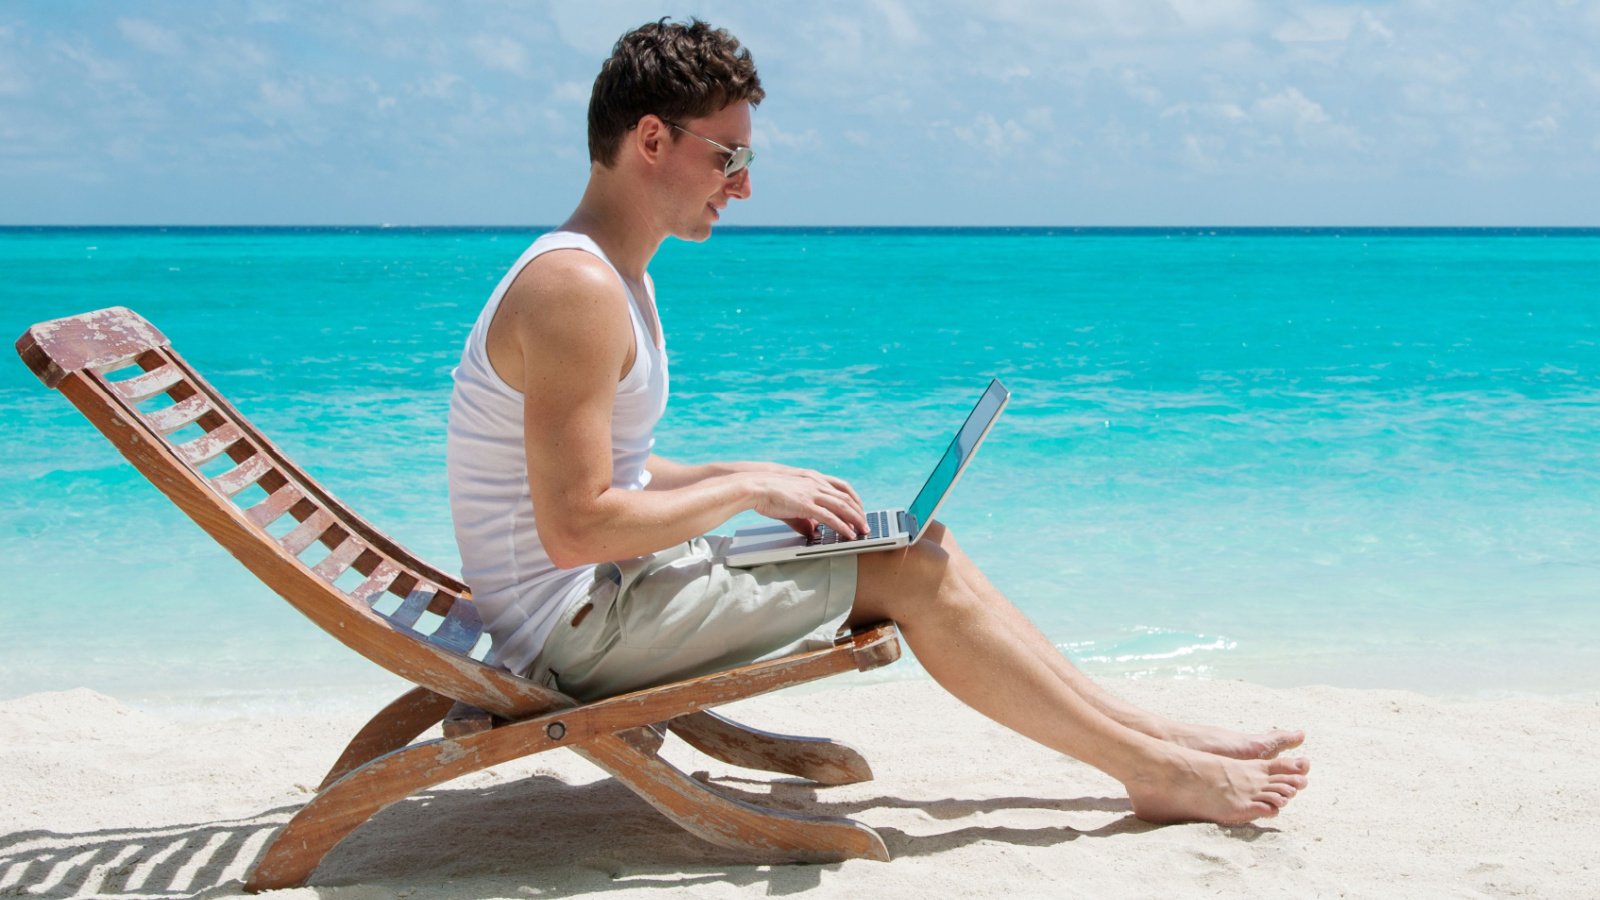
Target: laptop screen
<point>955,458</point>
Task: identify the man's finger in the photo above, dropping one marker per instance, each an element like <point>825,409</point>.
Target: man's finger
<point>843,509</point>
<point>854,507</point>
<point>845,486</point>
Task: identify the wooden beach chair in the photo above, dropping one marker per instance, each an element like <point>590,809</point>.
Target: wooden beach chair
<point>420,623</point>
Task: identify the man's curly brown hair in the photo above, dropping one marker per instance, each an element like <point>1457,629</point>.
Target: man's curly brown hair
<point>674,71</point>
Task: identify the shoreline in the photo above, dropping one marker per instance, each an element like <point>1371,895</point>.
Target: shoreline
<point>1410,793</point>
<point>345,684</point>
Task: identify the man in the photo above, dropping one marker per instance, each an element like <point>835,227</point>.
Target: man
<point>586,551</point>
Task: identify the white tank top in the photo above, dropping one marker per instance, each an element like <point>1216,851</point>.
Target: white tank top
<point>519,591</point>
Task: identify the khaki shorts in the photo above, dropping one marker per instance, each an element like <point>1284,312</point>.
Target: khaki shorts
<point>683,612</point>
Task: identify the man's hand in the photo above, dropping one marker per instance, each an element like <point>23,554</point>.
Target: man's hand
<point>804,498</point>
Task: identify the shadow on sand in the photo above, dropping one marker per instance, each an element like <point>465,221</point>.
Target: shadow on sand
<point>537,836</point>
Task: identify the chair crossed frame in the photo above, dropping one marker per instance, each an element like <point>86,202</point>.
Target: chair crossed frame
<point>398,611</point>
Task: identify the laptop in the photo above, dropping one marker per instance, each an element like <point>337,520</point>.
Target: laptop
<point>889,527</point>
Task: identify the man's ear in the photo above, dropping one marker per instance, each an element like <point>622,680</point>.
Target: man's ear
<point>650,138</point>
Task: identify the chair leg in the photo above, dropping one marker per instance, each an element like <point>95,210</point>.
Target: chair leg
<point>340,808</point>
<point>296,850</point>
<point>817,759</point>
<point>395,726</point>
<point>732,823</point>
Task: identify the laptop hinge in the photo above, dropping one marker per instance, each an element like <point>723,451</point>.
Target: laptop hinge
<point>908,523</point>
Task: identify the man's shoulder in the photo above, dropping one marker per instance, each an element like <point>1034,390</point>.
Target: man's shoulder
<point>567,299</point>
<point>567,272</point>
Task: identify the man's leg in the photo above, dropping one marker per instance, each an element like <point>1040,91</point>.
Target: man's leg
<point>1198,737</point>
<point>969,644</point>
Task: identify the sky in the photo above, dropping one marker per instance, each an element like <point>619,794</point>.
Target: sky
<point>878,112</point>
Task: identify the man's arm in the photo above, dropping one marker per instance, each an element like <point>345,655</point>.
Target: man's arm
<point>667,474</point>
<point>569,327</point>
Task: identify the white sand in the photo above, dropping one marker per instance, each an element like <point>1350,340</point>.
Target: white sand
<point>1410,797</point>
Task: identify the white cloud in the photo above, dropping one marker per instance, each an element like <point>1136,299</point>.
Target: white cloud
<point>150,37</point>
<point>1544,127</point>
<point>1219,15</point>
<point>571,92</point>
<point>1292,107</point>
<point>440,86</point>
<point>1201,151</point>
<point>987,132</point>
<point>1485,147</point>
<point>278,98</point>
<point>499,52</point>
<point>902,24</point>
<point>1139,88</point>
<point>96,66</point>
<point>237,55</point>
<point>1093,19</point>
<point>1315,25</point>
<point>593,27</point>
<point>1310,122</point>
<point>268,12</point>
<point>13,83</point>
<point>1229,112</point>
<point>1376,27</point>
<point>766,133</point>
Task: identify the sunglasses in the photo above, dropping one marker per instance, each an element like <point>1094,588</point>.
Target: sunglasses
<point>739,158</point>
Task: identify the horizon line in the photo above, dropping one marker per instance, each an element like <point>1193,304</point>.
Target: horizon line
<point>385,226</point>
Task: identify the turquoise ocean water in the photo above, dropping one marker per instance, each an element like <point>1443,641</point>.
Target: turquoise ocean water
<point>1362,458</point>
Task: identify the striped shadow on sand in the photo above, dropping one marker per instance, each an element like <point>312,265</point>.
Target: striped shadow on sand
<point>174,861</point>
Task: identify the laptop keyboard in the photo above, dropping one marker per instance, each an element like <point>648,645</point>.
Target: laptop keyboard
<point>879,524</point>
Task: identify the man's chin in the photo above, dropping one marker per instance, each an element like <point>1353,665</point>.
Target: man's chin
<point>697,235</point>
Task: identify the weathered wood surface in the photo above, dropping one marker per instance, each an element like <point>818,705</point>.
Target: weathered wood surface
<point>242,475</point>
<point>277,504</point>
<point>395,726</point>
<point>104,339</point>
<point>179,414</point>
<point>774,835</point>
<point>460,629</point>
<point>307,532</point>
<point>464,719</point>
<point>378,581</point>
<point>142,387</point>
<point>210,445</point>
<point>335,563</point>
<point>816,759</point>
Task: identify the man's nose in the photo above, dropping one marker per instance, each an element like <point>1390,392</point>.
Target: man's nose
<point>739,184</point>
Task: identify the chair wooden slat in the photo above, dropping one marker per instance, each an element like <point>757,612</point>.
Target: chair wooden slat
<point>460,628</point>
<point>210,445</point>
<point>415,603</point>
<point>273,508</point>
<point>307,532</point>
<point>243,475</point>
<point>142,387</point>
<point>370,590</point>
<point>179,414</point>
<point>340,559</point>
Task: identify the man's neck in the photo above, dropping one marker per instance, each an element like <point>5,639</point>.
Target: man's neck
<point>614,216</point>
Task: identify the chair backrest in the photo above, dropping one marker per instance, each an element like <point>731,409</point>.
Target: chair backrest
<point>347,576</point>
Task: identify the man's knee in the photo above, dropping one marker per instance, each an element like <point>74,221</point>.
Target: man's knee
<point>939,534</point>
<point>918,574</point>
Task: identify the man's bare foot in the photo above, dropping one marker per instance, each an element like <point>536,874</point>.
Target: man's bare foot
<point>1190,786</point>
<point>1233,744</point>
